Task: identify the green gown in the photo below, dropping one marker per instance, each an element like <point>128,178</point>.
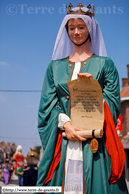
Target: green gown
<point>54,100</point>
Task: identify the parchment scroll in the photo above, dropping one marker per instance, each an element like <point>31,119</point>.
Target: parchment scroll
<point>86,111</point>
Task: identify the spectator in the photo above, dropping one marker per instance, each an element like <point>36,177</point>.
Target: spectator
<point>5,175</point>
<point>1,171</point>
<point>10,166</point>
<point>20,174</point>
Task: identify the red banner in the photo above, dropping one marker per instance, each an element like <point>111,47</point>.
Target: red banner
<point>119,123</point>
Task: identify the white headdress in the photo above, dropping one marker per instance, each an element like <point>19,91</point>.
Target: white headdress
<point>19,147</point>
<point>64,46</point>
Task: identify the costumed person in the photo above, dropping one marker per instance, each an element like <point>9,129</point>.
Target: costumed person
<point>79,53</point>
<point>18,157</point>
<point>5,175</point>
<point>31,170</point>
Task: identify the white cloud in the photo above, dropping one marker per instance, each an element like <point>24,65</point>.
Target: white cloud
<point>3,63</point>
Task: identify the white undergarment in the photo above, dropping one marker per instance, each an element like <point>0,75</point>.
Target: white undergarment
<point>74,156</point>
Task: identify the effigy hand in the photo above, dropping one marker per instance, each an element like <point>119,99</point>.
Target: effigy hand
<point>85,75</point>
<point>71,132</point>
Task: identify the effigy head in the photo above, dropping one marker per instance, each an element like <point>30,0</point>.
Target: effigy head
<point>19,150</point>
<point>32,157</point>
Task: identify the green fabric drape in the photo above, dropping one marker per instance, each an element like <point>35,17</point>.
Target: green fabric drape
<point>97,167</point>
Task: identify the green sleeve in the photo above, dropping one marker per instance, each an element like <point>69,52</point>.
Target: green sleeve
<point>49,108</point>
<point>111,89</point>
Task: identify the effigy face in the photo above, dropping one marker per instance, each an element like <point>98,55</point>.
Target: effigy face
<point>32,157</point>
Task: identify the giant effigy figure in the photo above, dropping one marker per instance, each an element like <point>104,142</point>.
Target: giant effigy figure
<point>69,162</point>
<point>31,169</point>
<point>18,157</point>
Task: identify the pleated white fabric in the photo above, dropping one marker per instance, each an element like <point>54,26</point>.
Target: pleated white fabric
<point>74,155</point>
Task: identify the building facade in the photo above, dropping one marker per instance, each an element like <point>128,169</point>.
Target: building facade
<point>124,94</point>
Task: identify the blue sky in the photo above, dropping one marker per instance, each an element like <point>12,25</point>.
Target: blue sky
<point>28,30</point>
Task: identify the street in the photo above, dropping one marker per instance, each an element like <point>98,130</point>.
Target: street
<point>12,183</point>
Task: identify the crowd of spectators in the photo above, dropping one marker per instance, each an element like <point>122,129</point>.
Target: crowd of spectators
<point>27,174</point>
